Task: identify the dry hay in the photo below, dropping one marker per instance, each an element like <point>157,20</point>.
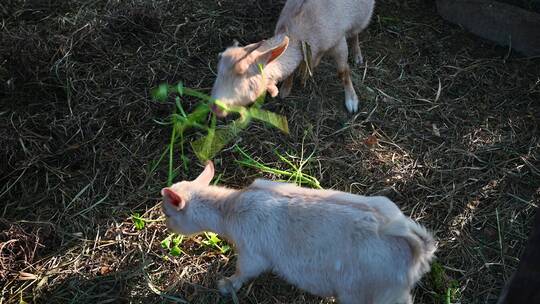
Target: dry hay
<point>448,129</point>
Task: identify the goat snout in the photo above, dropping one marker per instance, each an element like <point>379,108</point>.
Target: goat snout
<point>218,111</point>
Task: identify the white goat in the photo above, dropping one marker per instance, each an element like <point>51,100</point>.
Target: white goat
<point>323,24</point>
<point>356,248</point>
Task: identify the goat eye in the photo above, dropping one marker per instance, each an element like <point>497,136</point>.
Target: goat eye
<point>219,55</point>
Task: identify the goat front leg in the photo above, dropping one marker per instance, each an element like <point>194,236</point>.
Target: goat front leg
<point>286,86</point>
<point>340,52</point>
<point>247,267</point>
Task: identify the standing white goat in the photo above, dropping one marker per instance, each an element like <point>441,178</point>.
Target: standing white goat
<point>356,248</point>
<point>324,25</point>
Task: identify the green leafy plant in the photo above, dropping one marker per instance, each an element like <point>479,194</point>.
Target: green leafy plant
<point>294,173</point>
<point>446,290</point>
<point>213,241</point>
<point>140,222</point>
<point>217,137</point>
<point>172,244</point>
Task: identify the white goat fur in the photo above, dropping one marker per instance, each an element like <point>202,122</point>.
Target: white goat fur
<point>323,24</point>
<point>356,248</point>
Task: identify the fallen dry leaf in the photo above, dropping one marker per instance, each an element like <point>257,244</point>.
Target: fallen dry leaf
<point>103,270</point>
<point>371,140</point>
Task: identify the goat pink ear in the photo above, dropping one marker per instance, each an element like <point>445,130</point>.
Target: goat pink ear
<point>171,197</point>
<point>206,176</point>
<point>265,51</point>
<point>277,51</point>
<point>242,66</point>
<point>251,50</point>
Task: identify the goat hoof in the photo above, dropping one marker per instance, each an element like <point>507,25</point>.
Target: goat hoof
<point>225,287</point>
<point>351,103</point>
<point>358,59</point>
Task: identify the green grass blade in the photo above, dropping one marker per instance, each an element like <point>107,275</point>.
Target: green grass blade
<point>171,151</point>
<point>275,120</point>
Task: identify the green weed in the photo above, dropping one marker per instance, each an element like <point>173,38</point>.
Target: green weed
<point>446,290</point>
<point>216,138</point>
<point>172,244</point>
<point>139,222</point>
<point>293,174</point>
<point>213,241</point>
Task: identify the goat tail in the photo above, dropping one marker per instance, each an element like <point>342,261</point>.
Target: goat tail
<point>421,242</point>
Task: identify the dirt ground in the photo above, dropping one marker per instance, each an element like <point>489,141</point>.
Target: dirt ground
<point>455,120</point>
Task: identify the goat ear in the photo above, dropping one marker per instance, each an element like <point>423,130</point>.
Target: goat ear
<point>252,52</point>
<point>278,50</point>
<point>264,52</point>
<point>173,198</point>
<point>242,66</point>
<point>206,176</point>
<point>252,47</point>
